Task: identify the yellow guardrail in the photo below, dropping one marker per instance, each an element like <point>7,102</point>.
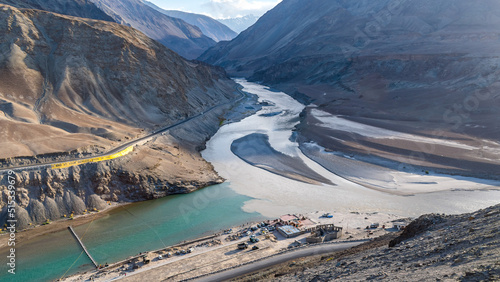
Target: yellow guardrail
<point>93,160</point>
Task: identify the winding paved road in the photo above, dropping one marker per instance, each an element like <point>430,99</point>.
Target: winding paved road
<point>126,145</point>
<point>266,263</point>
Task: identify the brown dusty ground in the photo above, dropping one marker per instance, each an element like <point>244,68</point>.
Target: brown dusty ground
<point>298,265</point>
<point>214,257</point>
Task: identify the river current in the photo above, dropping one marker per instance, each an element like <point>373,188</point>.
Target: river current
<point>250,194</point>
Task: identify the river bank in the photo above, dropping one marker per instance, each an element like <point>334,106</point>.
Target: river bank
<point>220,251</point>
<point>273,194</point>
<point>57,226</point>
<point>163,163</point>
<point>46,252</point>
<point>391,177</point>
<point>129,230</point>
<point>242,108</point>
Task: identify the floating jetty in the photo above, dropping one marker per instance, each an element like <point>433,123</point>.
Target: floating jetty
<point>83,246</point>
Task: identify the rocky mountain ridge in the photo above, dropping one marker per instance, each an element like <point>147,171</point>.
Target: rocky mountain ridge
<point>426,68</point>
<point>293,34</point>
<point>76,8</point>
<point>173,32</point>
<point>239,24</point>
<point>185,39</point>
<point>92,82</point>
<point>210,27</point>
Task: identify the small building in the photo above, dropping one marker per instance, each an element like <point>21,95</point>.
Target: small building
<point>289,219</point>
<point>399,225</point>
<point>294,220</point>
<point>289,231</point>
<point>324,233</point>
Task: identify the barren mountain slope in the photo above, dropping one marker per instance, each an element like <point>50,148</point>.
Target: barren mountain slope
<point>81,85</point>
<point>426,68</point>
<point>77,8</point>
<point>70,82</point>
<point>210,27</point>
<point>183,38</point>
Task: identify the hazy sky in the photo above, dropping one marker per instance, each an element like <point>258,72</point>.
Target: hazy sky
<point>219,8</point>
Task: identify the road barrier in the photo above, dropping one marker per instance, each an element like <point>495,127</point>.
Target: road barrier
<point>275,255</point>
<point>93,160</point>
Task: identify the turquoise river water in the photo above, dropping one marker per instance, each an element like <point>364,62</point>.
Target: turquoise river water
<point>127,231</point>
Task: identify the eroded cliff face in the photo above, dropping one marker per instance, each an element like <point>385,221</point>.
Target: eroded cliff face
<point>168,164</point>
<point>55,194</point>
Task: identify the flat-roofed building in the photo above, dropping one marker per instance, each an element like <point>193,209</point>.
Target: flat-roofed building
<point>289,231</point>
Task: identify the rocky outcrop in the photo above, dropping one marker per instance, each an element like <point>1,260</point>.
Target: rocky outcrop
<point>435,247</point>
<point>185,39</point>
<point>51,194</point>
<point>418,226</point>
